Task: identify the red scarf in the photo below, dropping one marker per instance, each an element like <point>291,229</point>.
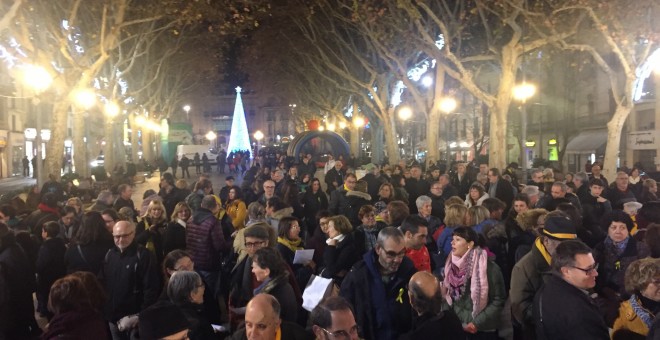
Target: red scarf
<point>48,209</point>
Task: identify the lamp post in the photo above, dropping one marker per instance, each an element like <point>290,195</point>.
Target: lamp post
<point>211,136</point>
<point>39,80</point>
<point>258,135</point>
<point>187,109</point>
<point>447,106</point>
<point>521,93</point>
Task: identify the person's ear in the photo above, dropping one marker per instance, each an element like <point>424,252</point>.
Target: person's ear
<point>267,271</point>
<point>470,244</point>
<point>318,332</point>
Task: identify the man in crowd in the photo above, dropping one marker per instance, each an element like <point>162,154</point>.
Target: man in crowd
<point>499,188</point>
<point>339,203</point>
<point>130,277</point>
<point>269,192</point>
<point>68,224</point>
<point>596,172</point>
<point>460,180</point>
<point>376,288</point>
<point>594,207</point>
<point>170,193</point>
<point>205,241</point>
<point>224,191</point>
<point>124,199</point>
<point>415,233</point>
<point>620,192</point>
<point>536,179</point>
<point>278,178</point>
<point>533,193</point>
<point>262,322</point>
<point>307,166</point>
<point>431,322</point>
<point>527,275</point>
<point>562,307</point>
<point>558,194</point>
<point>581,182</point>
<point>333,318</point>
<point>334,178</point>
<point>416,186</point>
<point>437,201</point>
<point>448,190</point>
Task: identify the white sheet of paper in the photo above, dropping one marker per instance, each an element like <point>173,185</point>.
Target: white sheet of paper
<point>314,293</point>
<point>303,256</point>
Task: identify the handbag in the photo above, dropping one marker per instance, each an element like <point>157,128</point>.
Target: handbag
<point>316,290</point>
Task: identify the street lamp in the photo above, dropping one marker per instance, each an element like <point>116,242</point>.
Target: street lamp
<point>187,109</point>
<point>405,113</point>
<point>447,105</point>
<point>521,93</point>
<point>39,80</point>
<point>258,135</point>
<point>84,99</point>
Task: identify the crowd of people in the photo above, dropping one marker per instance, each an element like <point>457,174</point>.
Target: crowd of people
<point>411,251</point>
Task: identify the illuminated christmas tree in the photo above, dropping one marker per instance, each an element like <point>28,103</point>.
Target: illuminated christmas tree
<point>239,139</point>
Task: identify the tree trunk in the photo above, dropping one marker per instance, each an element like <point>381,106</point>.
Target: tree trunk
<point>109,137</point>
<point>55,147</point>
<point>134,138</point>
<point>434,116</point>
<point>147,153</point>
<point>80,152</point>
<point>390,138</point>
<point>498,117</point>
<point>355,141</point>
<point>377,142</point>
<point>614,128</point>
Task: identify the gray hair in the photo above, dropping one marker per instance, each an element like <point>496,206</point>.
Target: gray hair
<point>536,171</point>
<point>105,196</point>
<point>181,284</point>
<point>530,190</point>
<point>208,202</point>
<point>421,200</point>
<point>581,176</point>
<point>561,185</point>
<point>481,177</point>
<point>389,233</point>
<point>256,211</point>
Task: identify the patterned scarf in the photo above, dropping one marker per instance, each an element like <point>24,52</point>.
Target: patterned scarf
<point>616,247</point>
<point>472,266</point>
<point>642,312</point>
<point>291,244</point>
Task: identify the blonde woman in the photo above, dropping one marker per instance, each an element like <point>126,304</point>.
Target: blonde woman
<point>455,216</point>
<point>150,230</point>
<point>236,208</point>
<point>175,232</point>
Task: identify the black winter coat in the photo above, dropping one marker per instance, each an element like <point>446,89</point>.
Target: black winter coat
<point>86,257</point>
<point>50,264</point>
<point>430,326</point>
<point>382,310</point>
<point>340,259</point>
<point>18,283</point>
<point>564,312</point>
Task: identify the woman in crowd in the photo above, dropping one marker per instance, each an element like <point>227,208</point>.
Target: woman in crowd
<point>236,208</point>
<point>635,181</point>
<point>341,253</point>
<point>366,233</point>
<point>111,217</point>
<point>475,286</point>
<point>186,290</point>
<point>476,195</point>
<point>649,191</point>
<point>179,260</point>
<point>174,236</point>
<point>385,193</point>
<point>77,204</point>
<point>568,178</point>
<point>88,248</point>
<point>356,199</point>
<point>272,276</point>
<point>614,255</point>
<point>288,242</point>
<point>276,210</point>
<point>313,200</point>
<point>476,218</point>
<point>149,231</point>
<point>454,217</point>
<point>75,317</point>
<point>290,197</point>
<point>642,282</point>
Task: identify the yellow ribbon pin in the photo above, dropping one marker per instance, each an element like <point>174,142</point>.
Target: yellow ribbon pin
<point>399,298</point>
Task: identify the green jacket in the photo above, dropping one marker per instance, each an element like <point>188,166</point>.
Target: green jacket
<point>526,280</point>
<point>489,318</point>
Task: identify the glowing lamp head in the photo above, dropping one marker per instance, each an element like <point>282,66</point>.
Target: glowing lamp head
<point>405,113</point>
<point>358,122</point>
<point>36,78</point>
<point>85,98</point>
<point>448,105</point>
<point>211,135</point>
<point>258,135</point>
<point>524,91</point>
<point>111,109</point>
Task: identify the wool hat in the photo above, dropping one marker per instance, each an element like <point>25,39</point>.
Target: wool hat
<point>161,320</point>
<point>229,178</point>
<point>616,216</point>
<point>380,207</point>
<point>559,228</point>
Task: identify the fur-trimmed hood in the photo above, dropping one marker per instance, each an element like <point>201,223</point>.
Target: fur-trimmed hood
<point>360,194</point>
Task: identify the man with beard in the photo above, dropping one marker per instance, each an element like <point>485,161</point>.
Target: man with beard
<point>377,287</point>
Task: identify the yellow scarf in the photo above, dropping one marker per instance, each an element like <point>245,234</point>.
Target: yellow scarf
<point>634,229</point>
<point>539,245</point>
<point>291,244</point>
<point>278,335</point>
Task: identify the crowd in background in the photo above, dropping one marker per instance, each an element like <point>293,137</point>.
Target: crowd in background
<point>412,250</point>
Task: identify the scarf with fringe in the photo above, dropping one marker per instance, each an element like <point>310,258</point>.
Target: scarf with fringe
<point>458,270</point>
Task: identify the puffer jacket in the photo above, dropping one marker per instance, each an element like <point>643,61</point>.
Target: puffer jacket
<point>205,240</point>
<point>489,318</point>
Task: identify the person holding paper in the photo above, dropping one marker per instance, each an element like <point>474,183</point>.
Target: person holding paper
<point>288,242</point>
<point>341,253</point>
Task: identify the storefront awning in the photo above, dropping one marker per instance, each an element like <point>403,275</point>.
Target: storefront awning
<point>587,142</point>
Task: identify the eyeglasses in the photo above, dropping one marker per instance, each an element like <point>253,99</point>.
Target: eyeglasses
<point>392,255</point>
<point>295,226</point>
<point>254,244</point>
<point>589,271</point>
<point>269,187</point>
<point>342,334</point>
<point>117,237</point>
